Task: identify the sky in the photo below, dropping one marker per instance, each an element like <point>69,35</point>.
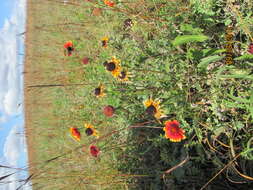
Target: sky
<point>13,151</point>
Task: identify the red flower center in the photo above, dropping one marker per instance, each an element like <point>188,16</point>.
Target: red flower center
<point>173,129</point>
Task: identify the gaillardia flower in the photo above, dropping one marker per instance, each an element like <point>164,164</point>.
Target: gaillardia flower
<point>104,41</point>
<point>75,133</point>
<point>69,48</point>
<point>153,108</point>
<point>108,111</point>
<point>99,91</point>
<point>113,66</point>
<point>85,60</point>
<point>109,3</point>
<point>90,130</point>
<point>94,150</point>
<point>173,131</point>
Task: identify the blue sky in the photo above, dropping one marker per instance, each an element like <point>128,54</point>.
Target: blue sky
<point>13,151</point>
<point>6,7</point>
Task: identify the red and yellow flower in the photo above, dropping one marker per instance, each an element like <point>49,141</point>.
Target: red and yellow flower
<point>94,150</point>
<point>153,108</point>
<point>75,133</point>
<point>90,130</point>
<point>69,48</point>
<point>109,3</point>
<point>173,131</point>
<point>108,111</point>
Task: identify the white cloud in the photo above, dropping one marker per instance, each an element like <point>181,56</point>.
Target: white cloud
<point>11,101</point>
<point>13,146</point>
<point>10,73</point>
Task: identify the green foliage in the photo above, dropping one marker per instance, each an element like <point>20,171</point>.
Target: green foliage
<point>210,59</point>
<point>189,38</point>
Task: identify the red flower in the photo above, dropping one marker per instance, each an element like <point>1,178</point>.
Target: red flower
<point>75,133</point>
<point>69,47</point>
<point>250,50</point>
<point>94,151</point>
<point>173,131</point>
<point>108,111</point>
<point>109,3</point>
<point>85,60</point>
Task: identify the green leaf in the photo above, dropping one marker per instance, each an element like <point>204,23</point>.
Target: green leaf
<point>188,38</point>
<point>237,76</point>
<point>244,57</point>
<point>205,61</point>
<point>238,99</point>
<point>210,51</point>
<point>238,125</point>
<point>228,22</point>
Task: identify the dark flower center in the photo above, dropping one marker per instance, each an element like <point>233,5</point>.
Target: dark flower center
<point>151,110</point>
<point>97,91</point>
<point>110,66</point>
<point>89,131</point>
<point>122,75</point>
<point>104,43</point>
<point>70,49</point>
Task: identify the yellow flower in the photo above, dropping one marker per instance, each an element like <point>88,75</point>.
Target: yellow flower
<point>99,91</point>
<point>153,108</point>
<point>113,66</point>
<point>124,76</point>
<point>104,41</point>
<point>90,130</point>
